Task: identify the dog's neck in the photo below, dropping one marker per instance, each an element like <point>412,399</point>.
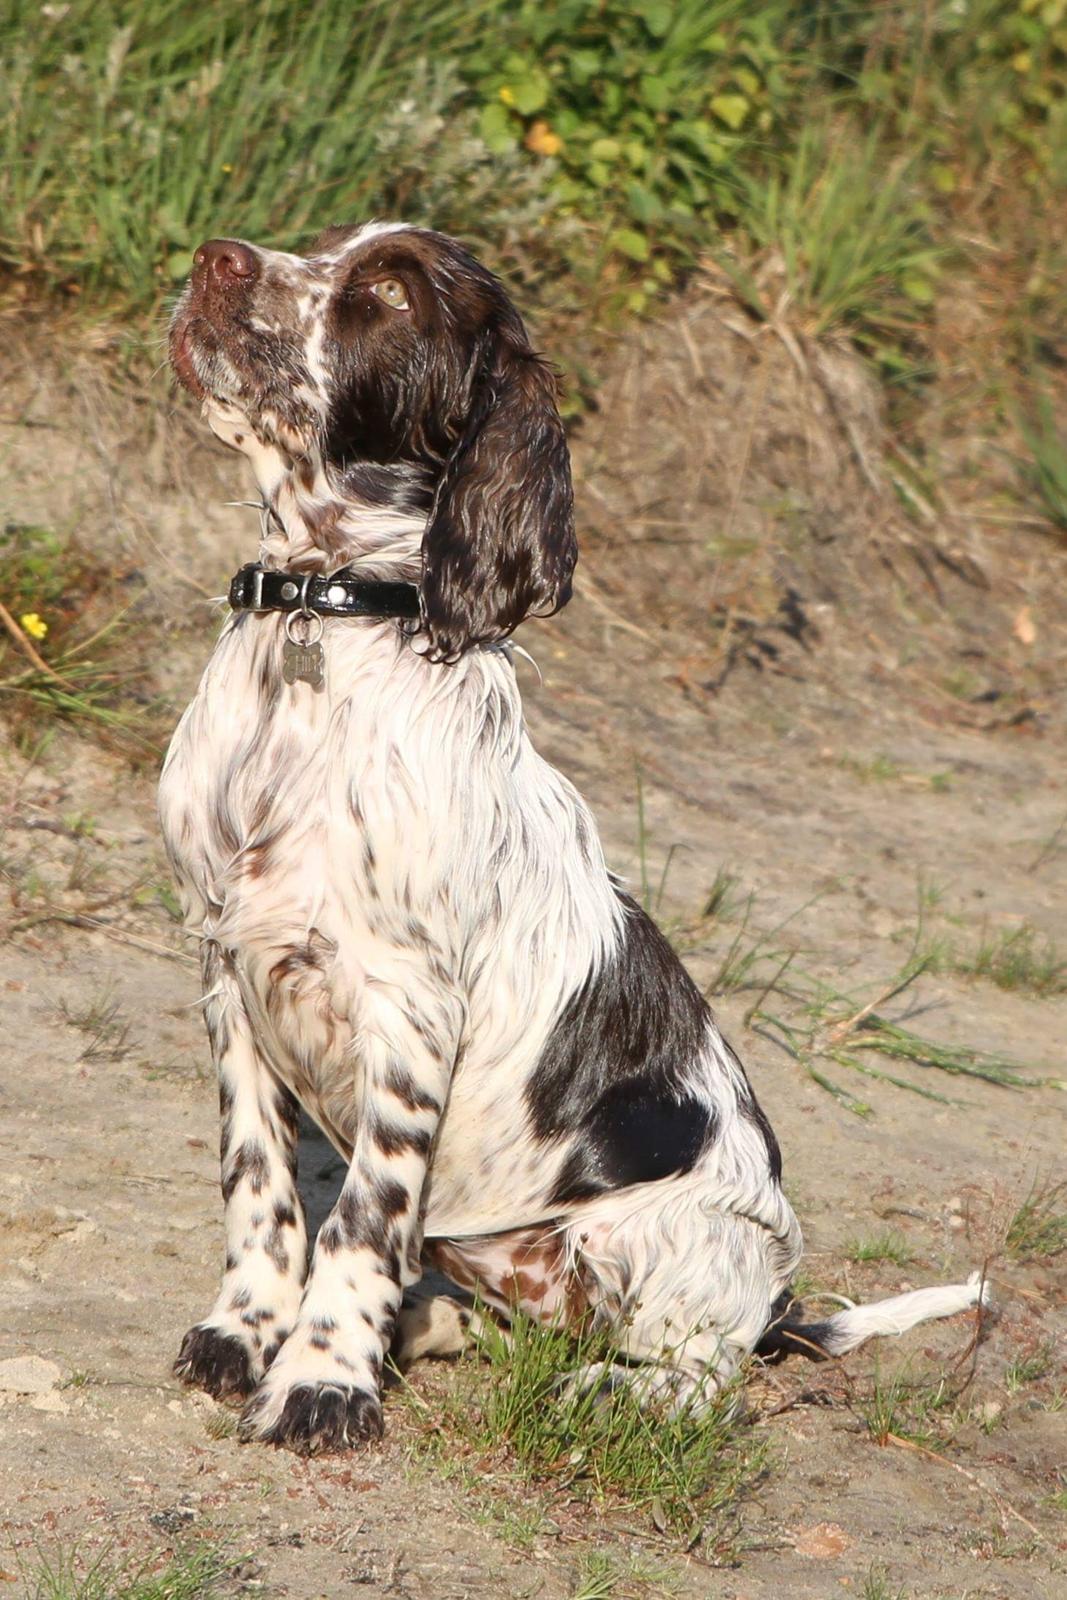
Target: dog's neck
<point>369,517</point>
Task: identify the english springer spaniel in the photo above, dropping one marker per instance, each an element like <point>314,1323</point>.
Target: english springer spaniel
<point>406,922</point>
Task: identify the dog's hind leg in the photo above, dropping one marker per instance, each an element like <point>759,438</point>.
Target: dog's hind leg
<point>681,1290</point>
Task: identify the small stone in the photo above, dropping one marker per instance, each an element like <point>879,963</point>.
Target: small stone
<point>821,1542</point>
<point>29,1375</point>
<point>52,1401</point>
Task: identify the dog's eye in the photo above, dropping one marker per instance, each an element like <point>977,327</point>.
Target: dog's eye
<point>392,291</point>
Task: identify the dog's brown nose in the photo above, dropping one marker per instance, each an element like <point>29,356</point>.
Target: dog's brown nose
<point>223,260</point>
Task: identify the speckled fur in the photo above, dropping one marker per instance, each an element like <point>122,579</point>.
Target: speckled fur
<point>398,900</point>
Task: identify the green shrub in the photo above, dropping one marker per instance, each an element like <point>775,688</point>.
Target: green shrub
<point>644,111</point>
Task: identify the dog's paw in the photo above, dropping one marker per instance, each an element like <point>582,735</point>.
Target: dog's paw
<point>313,1418</point>
<point>217,1362</point>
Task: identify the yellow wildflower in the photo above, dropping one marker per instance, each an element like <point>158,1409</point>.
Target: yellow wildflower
<point>34,625</point>
<point>542,141</point>
<point>507,95</point>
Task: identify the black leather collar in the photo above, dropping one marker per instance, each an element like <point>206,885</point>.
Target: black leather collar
<point>258,588</point>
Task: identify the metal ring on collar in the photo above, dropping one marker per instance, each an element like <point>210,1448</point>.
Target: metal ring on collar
<point>308,617</point>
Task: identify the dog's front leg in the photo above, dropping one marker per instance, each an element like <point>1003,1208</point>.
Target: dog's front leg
<point>323,1391</point>
<point>266,1239</point>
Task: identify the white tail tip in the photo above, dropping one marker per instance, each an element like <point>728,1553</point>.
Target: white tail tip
<point>847,1329</point>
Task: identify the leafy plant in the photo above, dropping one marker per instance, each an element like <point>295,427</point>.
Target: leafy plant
<point>642,110</point>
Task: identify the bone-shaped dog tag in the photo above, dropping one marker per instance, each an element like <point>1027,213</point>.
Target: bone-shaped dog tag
<point>303,663</point>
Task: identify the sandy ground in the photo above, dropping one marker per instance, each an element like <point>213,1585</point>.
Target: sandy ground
<point>831,800</point>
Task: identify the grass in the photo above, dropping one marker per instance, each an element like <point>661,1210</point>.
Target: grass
<point>221,1424</point>
<point>897,1407</point>
<point>883,769</point>
<point>886,1246</point>
<point>132,132</point>
<point>816,1022</point>
<point>651,898</point>
<point>1045,469</point>
<point>193,1573</point>
<point>604,1577</point>
<point>107,1034</point>
<point>514,1411</point>
<point>1018,958</point>
<point>848,219</point>
<point>721,904</point>
<point>1022,1370</point>
<point>876,1586</point>
<point>828,1025</point>
<point>69,644</point>
<point>1039,1227</point>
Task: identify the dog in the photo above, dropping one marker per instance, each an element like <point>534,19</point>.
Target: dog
<point>406,921</point>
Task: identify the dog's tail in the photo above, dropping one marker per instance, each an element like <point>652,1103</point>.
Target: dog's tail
<point>787,1333</point>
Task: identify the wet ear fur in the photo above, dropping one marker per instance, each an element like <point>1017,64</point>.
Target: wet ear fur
<point>500,543</point>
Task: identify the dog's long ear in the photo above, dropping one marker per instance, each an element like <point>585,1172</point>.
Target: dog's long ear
<point>500,543</point>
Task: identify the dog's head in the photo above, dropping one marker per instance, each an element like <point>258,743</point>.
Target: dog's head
<point>393,346</point>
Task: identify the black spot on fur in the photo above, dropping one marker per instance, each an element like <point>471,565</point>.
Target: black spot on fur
<point>398,486</point>
<point>395,1141</point>
<point>392,1198</point>
<point>640,1018</point>
<point>275,1251</point>
<point>399,1082</point>
<point>331,1238</point>
<point>633,1135</point>
<point>367,1217</point>
<point>785,1333</point>
<point>249,1161</point>
<point>752,1109</point>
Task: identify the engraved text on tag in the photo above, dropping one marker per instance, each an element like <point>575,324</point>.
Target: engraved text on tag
<point>303,663</point>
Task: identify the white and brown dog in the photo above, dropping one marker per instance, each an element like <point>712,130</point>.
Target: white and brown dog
<point>407,924</point>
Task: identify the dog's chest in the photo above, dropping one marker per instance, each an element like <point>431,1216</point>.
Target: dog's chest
<point>303,832</point>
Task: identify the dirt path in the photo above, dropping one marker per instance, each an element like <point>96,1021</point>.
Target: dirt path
<point>110,1222</point>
